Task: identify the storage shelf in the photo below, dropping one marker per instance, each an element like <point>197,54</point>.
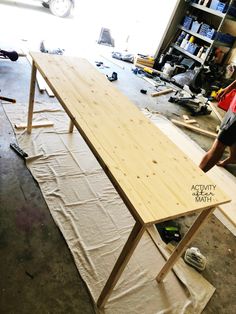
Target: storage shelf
<point>202,13</point>
<point>204,38</point>
<point>188,54</point>
<point>206,9</point>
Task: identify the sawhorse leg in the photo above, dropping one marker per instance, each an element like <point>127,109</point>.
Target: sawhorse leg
<point>31,97</point>
<point>202,217</point>
<point>122,261</point>
<point>71,126</point>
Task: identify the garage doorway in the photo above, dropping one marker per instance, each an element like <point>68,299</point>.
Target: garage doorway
<point>134,26</point>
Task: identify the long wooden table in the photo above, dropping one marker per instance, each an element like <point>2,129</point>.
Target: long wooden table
<point>156,181</point>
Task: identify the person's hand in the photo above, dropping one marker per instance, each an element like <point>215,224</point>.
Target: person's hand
<point>221,94</point>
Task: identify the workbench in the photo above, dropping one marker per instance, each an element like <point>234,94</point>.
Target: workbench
<point>155,179</point>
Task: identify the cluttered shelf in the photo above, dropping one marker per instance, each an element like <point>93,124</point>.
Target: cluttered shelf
<point>189,31</point>
<point>189,54</point>
<point>218,8</point>
<point>204,38</point>
<point>209,10</point>
<point>198,37</point>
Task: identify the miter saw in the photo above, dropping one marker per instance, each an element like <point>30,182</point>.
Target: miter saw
<point>197,104</point>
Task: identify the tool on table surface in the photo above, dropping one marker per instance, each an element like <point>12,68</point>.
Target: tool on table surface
<point>194,257</point>
<point>113,77</point>
<point>18,150</point>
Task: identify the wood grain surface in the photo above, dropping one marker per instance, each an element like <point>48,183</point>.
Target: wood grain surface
<point>153,177</point>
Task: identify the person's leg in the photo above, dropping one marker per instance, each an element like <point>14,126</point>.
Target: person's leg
<point>212,156</point>
<point>231,159</point>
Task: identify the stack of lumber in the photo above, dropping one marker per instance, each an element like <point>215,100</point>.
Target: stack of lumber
<point>146,61</point>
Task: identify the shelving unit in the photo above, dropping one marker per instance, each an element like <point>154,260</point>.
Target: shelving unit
<point>204,38</point>
<point>175,24</point>
<point>208,10</point>
<point>187,53</point>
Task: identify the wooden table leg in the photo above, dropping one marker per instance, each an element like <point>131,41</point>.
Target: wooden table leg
<point>202,217</point>
<point>31,97</point>
<point>121,262</point>
<point>71,126</point>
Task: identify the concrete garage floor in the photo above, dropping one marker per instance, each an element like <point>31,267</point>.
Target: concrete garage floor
<point>37,271</point>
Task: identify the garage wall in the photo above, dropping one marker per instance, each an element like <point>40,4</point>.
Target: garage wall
<point>135,25</point>
<point>148,22</point>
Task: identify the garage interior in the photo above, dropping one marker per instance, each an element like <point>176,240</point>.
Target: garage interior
<point>41,270</point>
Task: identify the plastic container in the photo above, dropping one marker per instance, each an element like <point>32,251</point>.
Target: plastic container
<point>214,4</point>
<point>195,26</point>
<point>221,6</point>
<point>211,33</point>
<point>228,100</point>
<point>197,48</point>
<point>192,48</point>
<point>204,29</point>
<point>199,54</point>
<point>168,69</point>
<point>185,41</point>
<point>180,38</point>
<point>187,22</point>
<point>206,2</point>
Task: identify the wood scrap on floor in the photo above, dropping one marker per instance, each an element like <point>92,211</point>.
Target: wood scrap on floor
<point>189,121</point>
<point>34,125</point>
<point>49,91</point>
<point>185,117</point>
<point>162,92</point>
<point>194,128</point>
<point>146,61</point>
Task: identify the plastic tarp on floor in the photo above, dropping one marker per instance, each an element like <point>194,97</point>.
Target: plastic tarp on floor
<point>95,222</point>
